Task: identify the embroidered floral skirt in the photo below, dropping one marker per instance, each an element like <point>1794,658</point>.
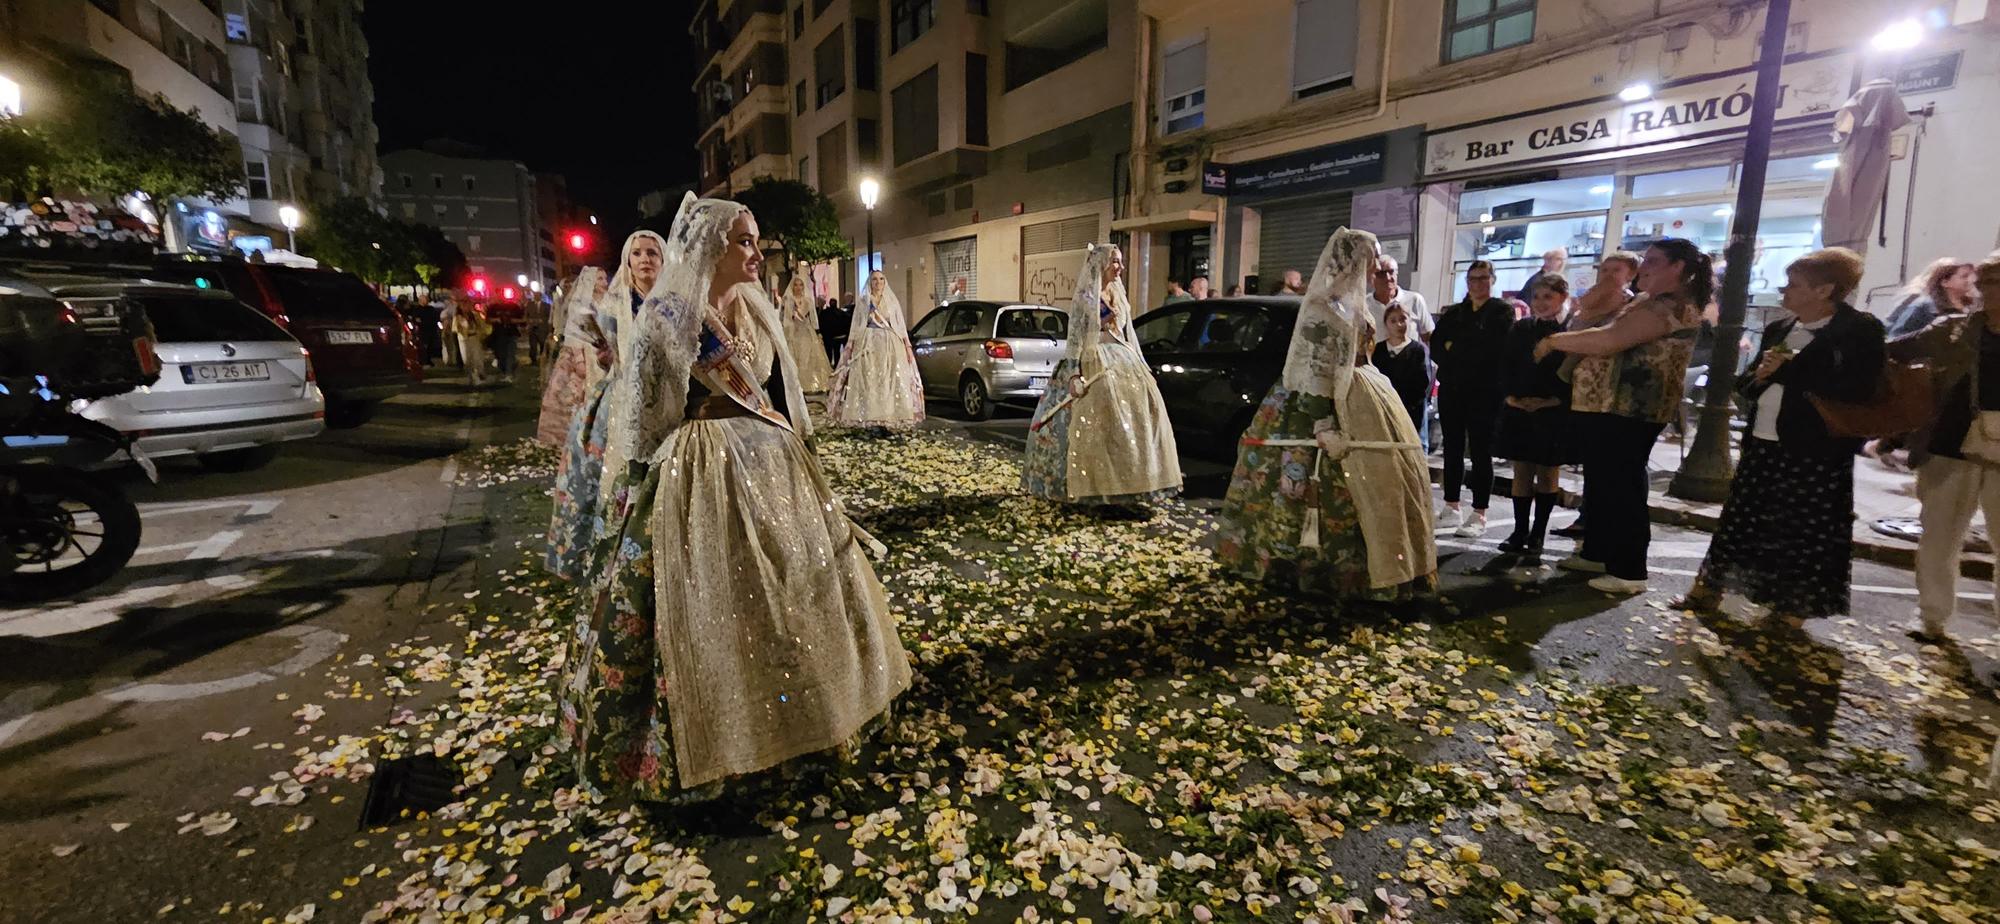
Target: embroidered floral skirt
<point>736,629</point>
<point>1786,536</point>
<point>877,384</point>
<point>1263,523</point>
<point>577,519</point>
<point>1112,446</point>
<point>563,393</point>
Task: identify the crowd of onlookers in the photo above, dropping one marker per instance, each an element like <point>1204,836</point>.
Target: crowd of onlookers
<point>1557,379</point>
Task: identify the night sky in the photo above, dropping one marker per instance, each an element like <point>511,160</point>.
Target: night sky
<point>595,90</point>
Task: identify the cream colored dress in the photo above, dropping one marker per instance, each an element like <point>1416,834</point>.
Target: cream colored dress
<point>877,383</point>
<point>802,337</point>
<point>1100,433</point>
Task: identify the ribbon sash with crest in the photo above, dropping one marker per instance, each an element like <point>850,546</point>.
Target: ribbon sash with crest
<point>726,371</point>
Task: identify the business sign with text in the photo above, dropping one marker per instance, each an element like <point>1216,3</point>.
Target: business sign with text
<point>1697,108</point>
<point>1334,166</point>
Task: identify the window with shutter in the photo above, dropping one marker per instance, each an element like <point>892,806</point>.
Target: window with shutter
<point>1322,46</point>
<point>1184,87</point>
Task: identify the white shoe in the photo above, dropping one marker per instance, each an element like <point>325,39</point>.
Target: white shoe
<point>1581,565</point>
<point>1617,585</point>
<point>1450,517</point>
<point>1471,528</point>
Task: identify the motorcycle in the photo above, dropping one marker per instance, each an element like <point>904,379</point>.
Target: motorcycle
<point>65,527</point>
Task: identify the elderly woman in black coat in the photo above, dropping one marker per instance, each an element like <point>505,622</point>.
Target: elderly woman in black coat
<point>1785,538</point>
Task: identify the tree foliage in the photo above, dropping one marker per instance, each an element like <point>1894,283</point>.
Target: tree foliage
<point>351,234</point>
<point>93,133</point>
<point>799,218</point>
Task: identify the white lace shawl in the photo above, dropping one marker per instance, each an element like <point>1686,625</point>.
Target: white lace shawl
<point>798,303</point>
<point>889,307</point>
<point>1086,310</point>
<point>576,306</point>
<point>614,310</point>
<point>652,384</point>
<point>1321,358</point>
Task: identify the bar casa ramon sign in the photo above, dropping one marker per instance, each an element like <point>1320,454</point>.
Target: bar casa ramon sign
<point>1696,108</point>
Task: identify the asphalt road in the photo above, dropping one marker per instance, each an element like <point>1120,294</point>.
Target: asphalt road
<point>247,588</point>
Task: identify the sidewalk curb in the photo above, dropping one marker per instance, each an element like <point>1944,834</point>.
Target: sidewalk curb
<point>1704,517</point>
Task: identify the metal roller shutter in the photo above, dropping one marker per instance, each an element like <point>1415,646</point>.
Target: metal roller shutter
<point>1051,254</point>
<point>957,263</point>
<point>1291,235</point>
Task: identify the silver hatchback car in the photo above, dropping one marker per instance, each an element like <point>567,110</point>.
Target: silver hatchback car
<point>985,353</point>
<point>233,384</point>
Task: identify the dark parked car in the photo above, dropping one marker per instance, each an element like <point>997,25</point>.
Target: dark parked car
<point>1214,360</point>
<point>363,352</point>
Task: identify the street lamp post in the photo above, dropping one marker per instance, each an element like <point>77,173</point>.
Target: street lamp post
<point>289,217</point>
<point>1705,474</point>
<point>871,192</point>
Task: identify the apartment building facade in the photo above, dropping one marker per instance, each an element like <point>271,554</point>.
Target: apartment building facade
<point>1506,129</point>
<point>304,103</point>
<point>286,78</point>
<point>998,130</point>
<point>742,129</point>
<point>487,206</point>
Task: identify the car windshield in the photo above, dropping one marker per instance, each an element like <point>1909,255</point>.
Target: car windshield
<point>1034,322</point>
<point>200,319</point>
<point>323,295</point>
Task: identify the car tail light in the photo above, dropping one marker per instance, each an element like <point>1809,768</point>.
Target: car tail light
<point>999,349</point>
<point>310,375</point>
<point>149,358</point>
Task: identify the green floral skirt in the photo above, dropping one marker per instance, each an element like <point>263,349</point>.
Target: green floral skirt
<point>1264,514</point>
<point>772,651</point>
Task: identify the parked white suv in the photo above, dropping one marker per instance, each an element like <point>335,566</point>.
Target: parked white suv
<point>233,384</point>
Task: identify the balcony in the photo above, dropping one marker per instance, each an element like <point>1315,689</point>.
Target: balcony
<point>771,165</point>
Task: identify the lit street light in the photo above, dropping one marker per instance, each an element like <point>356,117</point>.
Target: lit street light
<point>289,217</point>
<point>871,191</point>
<point>10,98</point>
<point>1901,35</point>
<point>521,280</point>
<point>1636,92</point>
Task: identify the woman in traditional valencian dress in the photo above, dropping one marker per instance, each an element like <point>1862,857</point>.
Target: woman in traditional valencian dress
<point>569,374</point>
<point>802,333</point>
<point>1100,435</point>
<point>737,625</point>
<point>578,514</point>
<point>876,383</point>
<point>1331,494</point>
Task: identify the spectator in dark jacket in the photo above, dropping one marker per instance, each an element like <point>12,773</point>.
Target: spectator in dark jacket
<point>1465,344</point>
<point>1407,363</point>
<point>1785,538</point>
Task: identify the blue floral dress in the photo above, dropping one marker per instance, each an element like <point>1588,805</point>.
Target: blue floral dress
<point>578,517</point>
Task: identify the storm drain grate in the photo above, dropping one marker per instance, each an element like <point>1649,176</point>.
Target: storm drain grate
<point>419,784</point>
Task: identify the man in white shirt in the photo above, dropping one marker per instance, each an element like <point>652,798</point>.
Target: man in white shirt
<point>1385,292</point>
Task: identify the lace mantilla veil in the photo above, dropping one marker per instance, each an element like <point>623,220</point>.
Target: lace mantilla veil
<point>1321,359</point>
<point>889,306</point>
<point>614,310</point>
<point>653,384</point>
<point>1086,310</point>
<point>798,301</point>
<point>578,306</point>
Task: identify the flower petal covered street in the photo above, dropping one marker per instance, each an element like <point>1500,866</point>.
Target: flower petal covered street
<point>1103,727</point>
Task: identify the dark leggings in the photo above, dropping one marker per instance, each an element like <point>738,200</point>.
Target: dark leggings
<point>1615,487</point>
<point>1471,423</point>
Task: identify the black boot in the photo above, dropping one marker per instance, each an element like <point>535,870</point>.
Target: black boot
<point>1517,540</point>
<point>1545,504</point>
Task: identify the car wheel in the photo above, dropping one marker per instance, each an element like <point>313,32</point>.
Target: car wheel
<point>346,415</point>
<point>972,398</point>
<point>249,458</point>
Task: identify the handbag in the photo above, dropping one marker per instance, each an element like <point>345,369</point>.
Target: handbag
<point>1903,403</point>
